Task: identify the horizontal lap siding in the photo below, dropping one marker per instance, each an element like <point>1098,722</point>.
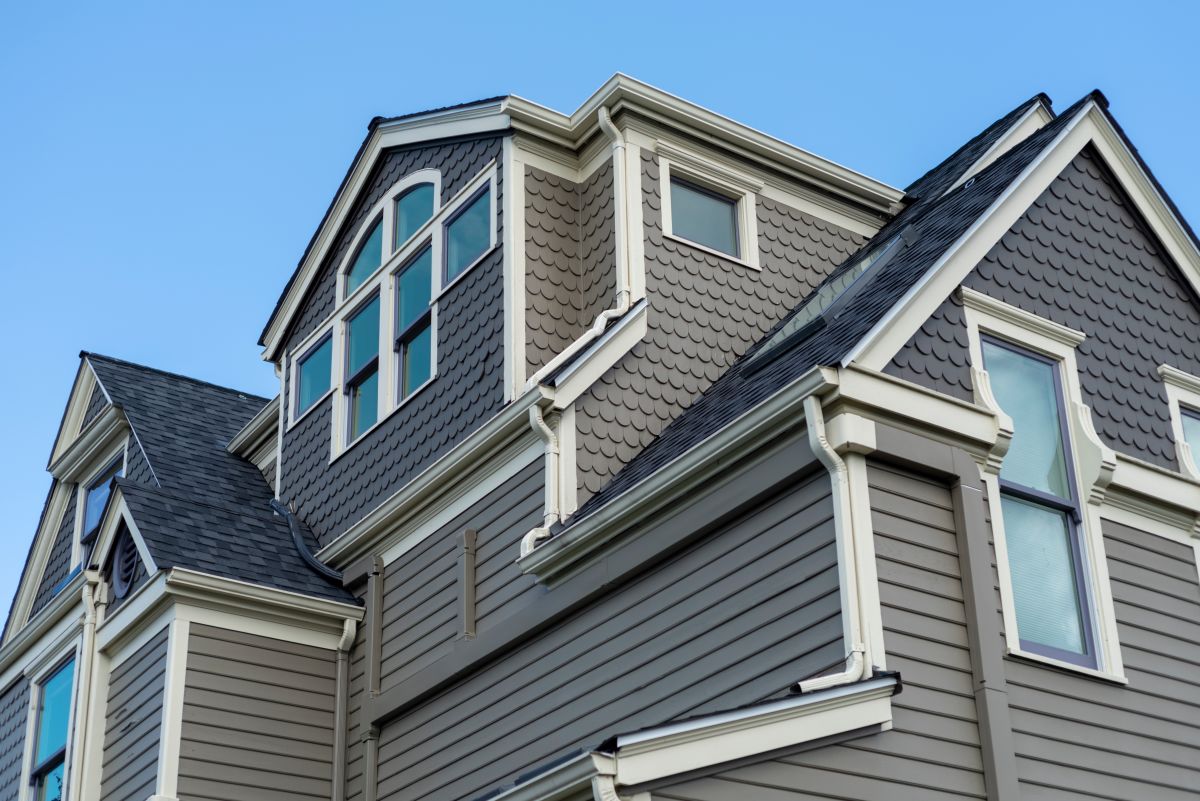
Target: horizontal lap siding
<point>1081,738</point>
<point>731,620</point>
<point>257,719</point>
<point>133,723</point>
<point>932,753</point>
<point>421,588</point>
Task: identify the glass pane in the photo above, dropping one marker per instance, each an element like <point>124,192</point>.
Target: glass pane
<point>1027,392</point>
<point>50,788</point>
<point>1191,434</point>
<point>413,209</point>
<point>414,290</point>
<point>704,217</point>
<point>362,337</point>
<point>364,405</point>
<point>468,236</point>
<point>54,713</point>
<point>1044,579</point>
<point>314,376</point>
<point>97,496</point>
<point>369,257</point>
<point>418,361</point>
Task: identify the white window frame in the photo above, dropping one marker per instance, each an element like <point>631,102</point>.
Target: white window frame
<point>384,281</point>
<point>1183,390</point>
<point>738,188</point>
<point>37,673</point>
<point>97,468</point>
<point>1090,458</point>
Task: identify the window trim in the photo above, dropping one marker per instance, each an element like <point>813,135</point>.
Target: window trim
<point>1091,466</point>
<point>742,191</point>
<point>37,674</point>
<point>1183,392</point>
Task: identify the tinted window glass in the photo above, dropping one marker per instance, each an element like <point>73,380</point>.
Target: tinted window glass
<point>314,375</point>
<point>362,337</point>
<point>704,217</point>
<point>97,496</point>
<point>468,235</point>
<point>367,260</point>
<point>413,209</point>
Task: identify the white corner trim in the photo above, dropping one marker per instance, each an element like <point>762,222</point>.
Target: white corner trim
<point>1183,389</point>
<point>715,739</point>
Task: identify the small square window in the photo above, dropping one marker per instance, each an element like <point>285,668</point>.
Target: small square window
<point>468,235</point>
<point>313,371</point>
<point>704,217</point>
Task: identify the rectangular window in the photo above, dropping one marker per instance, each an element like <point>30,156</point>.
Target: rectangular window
<point>1042,518</point>
<point>414,316</point>
<point>362,369</point>
<point>97,496</point>
<point>53,722</point>
<point>1190,418</point>
<point>313,371</point>
<point>468,235</point>
<point>704,217</point>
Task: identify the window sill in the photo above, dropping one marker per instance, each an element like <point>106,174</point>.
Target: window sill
<point>714,252</point>
<point>1029,656</point>
<point>350,445</point>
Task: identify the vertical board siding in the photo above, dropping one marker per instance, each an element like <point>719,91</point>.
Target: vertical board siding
<point>133,723</point>
<point>421,588</point>
<point>1077,737</point>
<point>258,716</point>
<point>932,752</point>
<point>14,716</point>
<point>731,620</point>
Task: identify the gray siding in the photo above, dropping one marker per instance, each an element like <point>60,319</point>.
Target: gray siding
<point>257,719</point>
<point>733,619</point>
<point>58,564</point>
<point>704,312</point>
<point>469,388</point>
<point>1078,738</point>
<point>932,752</point>
<point>133,722</point>
<point>1083,257</point>
<point>14,711</point>
<point>421,589</point>
<point>570,273</point>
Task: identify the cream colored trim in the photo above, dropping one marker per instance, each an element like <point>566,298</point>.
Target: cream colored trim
<point>737,188</point>
<point>172,710</point>
<point>513,172</point>
<point>1183,389</point>
<point>1030,122</point>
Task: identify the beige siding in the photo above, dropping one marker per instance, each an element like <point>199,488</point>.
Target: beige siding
<point>257,720</point>
<point>133,723</point>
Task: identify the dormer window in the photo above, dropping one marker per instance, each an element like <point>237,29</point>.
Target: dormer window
<point>367,259</point>
<point>414,208</point>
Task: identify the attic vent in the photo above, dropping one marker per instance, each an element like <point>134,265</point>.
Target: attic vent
<point>124,565</point>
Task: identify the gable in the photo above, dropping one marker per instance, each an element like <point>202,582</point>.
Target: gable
<point>1082,256</point>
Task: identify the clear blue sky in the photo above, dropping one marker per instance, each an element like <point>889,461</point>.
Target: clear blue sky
<point>163,165</point>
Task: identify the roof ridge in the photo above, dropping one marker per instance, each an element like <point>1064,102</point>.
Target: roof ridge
<point>84,354</point>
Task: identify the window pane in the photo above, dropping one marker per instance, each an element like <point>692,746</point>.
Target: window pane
<point>50,788</point>
<point>314,376</point>
<point>703,217</point>
<point>1191,434</point>
<point>369,257</point>
<point>468,236</point>
<point>414,290</point>
<point>97,496</point>
<point>364,405</point>
<point>413,209</point>
<point>363,337</point>
<point>54,713</point>
<point>418,358</point>
<point>1044,579</point>
<point>1027,392</point>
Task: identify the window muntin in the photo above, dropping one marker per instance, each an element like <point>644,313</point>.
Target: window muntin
<point>414,319</point>
<point>313,375</point>
<point>1190,421</point>
<point>1042,518</point>
<point>704,217</point>
<point>52,726</point>
<point>97,496</point>
<point>414,208</point>
<point>362,368</point>
<point>468,235</point>
<point>368,258</point>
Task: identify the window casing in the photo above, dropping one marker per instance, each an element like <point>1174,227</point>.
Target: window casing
<point>52,726</point>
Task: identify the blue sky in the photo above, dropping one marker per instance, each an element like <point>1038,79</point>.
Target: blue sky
<point>163,165</point>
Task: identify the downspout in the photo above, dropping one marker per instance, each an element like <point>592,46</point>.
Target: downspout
<point>858,667</point>
<point>621,253</point>
<point>342,688</point>
<point>551,515</point>
<point>85,672</point>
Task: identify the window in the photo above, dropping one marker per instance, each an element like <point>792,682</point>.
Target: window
<point>368,258</point>
<point>413,209</point>
<point>1040,506</point>
<point>96,497</point>
<point>362,369</point>
<point>414,340</point>
<point>1190,419</point>
<point>48,774</point>
<point>313,375</point>
<point>468,235</point>
<point>704,217</point>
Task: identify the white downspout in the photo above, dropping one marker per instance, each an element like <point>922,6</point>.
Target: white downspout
<point>551,516</point>
<point>85,682</point>
<point>858,666</point>
<point>621,252</point>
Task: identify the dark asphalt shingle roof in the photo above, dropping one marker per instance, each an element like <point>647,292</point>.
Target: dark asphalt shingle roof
<point>934,223</point>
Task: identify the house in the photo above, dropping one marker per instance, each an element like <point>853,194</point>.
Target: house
<point>636,454</point>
